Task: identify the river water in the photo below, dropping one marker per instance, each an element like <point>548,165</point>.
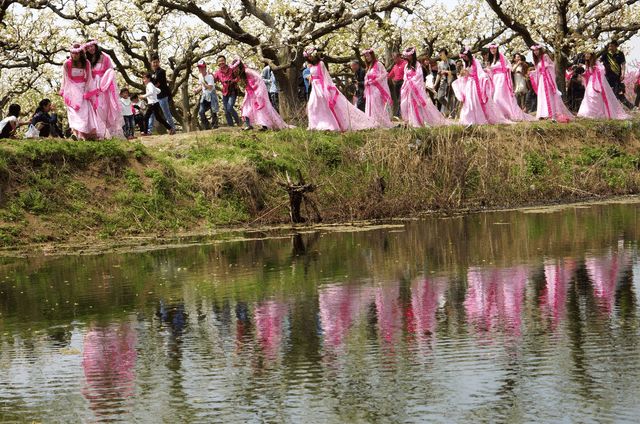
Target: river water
<point>520,316</point>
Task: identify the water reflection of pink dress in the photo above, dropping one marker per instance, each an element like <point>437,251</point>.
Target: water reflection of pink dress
<point>387,299</point>
<point>109,360</point>
<point>415,105</point>
<point>599,102</point>
<point>270,320</point>
<point>475,91</point>
<point>503,94</point>
<point>605,272</point>
<point>105,98</point>
<point>377,95</point>
<point>553,300</point>
<point>426,296</point>
<point>75,82</point>
<point>495,297</point>
<point>340,308</point>
<point>257,106</point>
<point>328,109</point>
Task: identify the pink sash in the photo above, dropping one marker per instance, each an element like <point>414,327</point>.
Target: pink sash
<point>549,84</point>
<point>481,91</point>
<point>372,76</point>
<point>251,88</point>
<point>598,78</point>
<point>334,94</point>
<point>416,100</point>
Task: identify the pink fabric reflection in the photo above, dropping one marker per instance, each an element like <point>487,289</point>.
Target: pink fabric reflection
<point>340,308</point>
<point>387,298</point>
<point>553,300</point>
<point>270,317</point>
<point>495,297</point>
<point>426,296</point>
<point>605,272</point>
<point>109,360</point>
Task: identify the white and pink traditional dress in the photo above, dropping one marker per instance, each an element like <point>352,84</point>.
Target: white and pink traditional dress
<point>328,109</point>
<point>80,113</point>
<point>377,95</point>
<point>543,81</point>
<point>503,95</point>
<point>475,92</point>
<point>599,102</point>
<point>256,106</point>
<point>416,106</point>
<point>105,99</point>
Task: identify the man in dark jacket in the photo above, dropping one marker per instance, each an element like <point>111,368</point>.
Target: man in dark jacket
<point>615,66</point>
<point>358,79</point>
<point>159,79</point>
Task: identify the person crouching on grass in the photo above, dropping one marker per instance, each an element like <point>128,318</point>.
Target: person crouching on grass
<point>153,106</point>
<point>10,124</point>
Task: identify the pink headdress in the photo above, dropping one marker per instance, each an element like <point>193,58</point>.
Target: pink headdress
<point>236,62</point>
<point>492,46</point>
<point>92,42</point>
<point>310,51</point>
<point>409,51</point>
<point>368,51</point>
<point>537,47</point>
<point>466,51</point>
<point>76,48</point>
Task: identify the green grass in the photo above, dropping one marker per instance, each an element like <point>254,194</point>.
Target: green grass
<point>61,190</point>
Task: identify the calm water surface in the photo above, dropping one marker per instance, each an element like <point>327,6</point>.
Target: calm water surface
<point>497,317</point>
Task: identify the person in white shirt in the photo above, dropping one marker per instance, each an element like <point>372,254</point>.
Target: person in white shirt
<point>208,96</point>
<point>127,114</point>
<point>153,107</point>
<point>10,124</point>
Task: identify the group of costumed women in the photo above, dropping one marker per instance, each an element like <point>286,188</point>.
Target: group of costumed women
<point>91,94</point>
<point>486,95</point>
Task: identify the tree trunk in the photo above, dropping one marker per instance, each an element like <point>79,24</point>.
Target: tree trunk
<point>186,111</point>
<point>561,63</point>
<point>291,106</point>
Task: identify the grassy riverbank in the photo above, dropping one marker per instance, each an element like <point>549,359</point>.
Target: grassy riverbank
<point>64,191</point>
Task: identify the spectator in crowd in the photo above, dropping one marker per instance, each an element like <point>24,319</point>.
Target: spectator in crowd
<point>446,75</point>
<point>575,87</point>
<point>636,89</point>
<point>10,124</point>
<point>615,69</point>
<point>531,98</point>
<point>45,121</point>
<point>159,79</point>
<point>153,104</point>
<point>396,78</point>
<point>519,71</point>
<point>208,97</point>
<point>139,108</point>
<point>127,114</point>
<point>358,79</point>
<point>270,81</point>
<point>224,75</point>
<point>306,77</point>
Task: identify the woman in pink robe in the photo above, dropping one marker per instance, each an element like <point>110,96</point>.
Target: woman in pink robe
<point>327,108</point>
<point>416,106</point>
<point>256,108</point>
<point>376,91</point>
<point>76,80</point>
<point>599,102</point>
<point>503,95</point>
<point>474,90</point>
<point>543,81</point>
<point>103,93</point>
